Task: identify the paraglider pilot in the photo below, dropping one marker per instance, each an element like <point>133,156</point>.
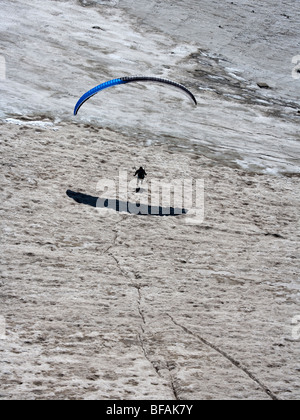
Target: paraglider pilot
<point>140,173</point>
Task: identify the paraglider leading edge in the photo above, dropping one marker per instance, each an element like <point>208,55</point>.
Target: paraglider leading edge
<point>124,80</point>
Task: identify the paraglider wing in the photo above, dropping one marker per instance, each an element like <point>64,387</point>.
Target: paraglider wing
<point>124,80</point>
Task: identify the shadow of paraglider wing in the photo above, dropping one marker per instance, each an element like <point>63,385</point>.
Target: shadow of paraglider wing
<point>137,208</point>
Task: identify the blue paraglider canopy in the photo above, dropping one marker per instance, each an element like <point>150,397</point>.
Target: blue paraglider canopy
<point>125,80</point>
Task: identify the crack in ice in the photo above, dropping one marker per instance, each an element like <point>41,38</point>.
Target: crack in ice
<point>235,362</point>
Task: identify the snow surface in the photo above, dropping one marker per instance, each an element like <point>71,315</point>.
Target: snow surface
<point>98,304</point>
